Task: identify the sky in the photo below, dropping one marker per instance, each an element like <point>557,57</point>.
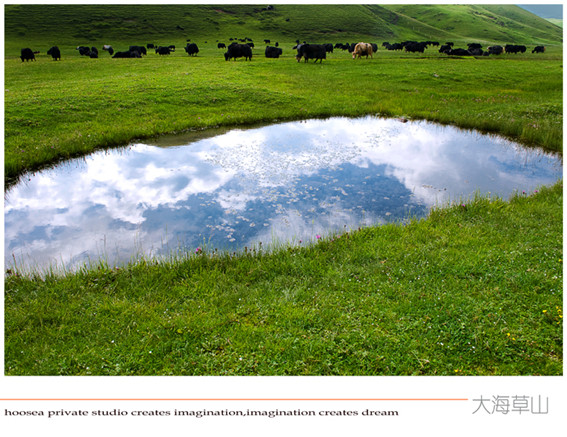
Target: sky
<point>545,11</point>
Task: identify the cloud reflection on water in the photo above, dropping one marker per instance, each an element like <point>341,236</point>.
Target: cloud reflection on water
<point>282,182</point>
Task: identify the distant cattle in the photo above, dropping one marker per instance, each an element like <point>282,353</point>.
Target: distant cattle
<point>140,49</point>
<point>328,47</point>
<point>236,50</point>
<point>150,46</point>
<point>55,53</point>
<point>221,45</point>
<point>191,49</point>
<point>495,50</point>
<point>476,51</point>
<point>93,53</point>
<point>414,46</point>
<point>273,52</point>
<point>459,52</point>
<point>311,51</point>
<point>163,50</point>
<point>27,55</point>
<point>108,48</point>
<point>539,49</point>
<point>396,46</point>
<point>128,54</point>
<point>362,49</point>
<point>512,48</point>
<point>84,50</point>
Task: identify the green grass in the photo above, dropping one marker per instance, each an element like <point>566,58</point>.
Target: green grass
<point>472,290</point>
<point>55,110</point>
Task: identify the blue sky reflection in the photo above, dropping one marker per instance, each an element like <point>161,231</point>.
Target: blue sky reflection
<point>280,183</point>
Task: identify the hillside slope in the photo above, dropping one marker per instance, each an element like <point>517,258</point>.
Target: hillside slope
<point>64,23</point>
<point>495,23</point>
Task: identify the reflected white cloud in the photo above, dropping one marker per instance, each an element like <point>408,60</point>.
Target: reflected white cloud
<point>282,181</point>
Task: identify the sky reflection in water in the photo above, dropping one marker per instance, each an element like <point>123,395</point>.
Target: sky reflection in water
<point>280,183</point>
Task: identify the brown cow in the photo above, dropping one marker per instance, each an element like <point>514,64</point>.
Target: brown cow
<point>361,49</point>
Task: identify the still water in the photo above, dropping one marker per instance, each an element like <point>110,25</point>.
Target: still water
<point>282,183</point>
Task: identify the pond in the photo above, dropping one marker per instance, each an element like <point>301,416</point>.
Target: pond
<point>284,183</point>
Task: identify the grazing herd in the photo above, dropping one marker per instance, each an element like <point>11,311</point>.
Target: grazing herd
<point>242,48</point>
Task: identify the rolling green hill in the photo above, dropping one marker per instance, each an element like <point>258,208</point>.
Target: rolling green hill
<point>174,24</point>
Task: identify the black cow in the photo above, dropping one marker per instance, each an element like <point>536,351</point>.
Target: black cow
<point>512,48</point>
<point>27,55</point>
<point>273,52</point>
<point>539,49</point>
<point>412,46</point>
<point>150,46</point>
<point>128,54</point>
<point>84,51</point>
<point>495,50</point>
<point>311,51</point>
<point>221,45</point>
<point>476,51</point>
<point>328,48</point>
<point>55,53</point>
<point>396,46</point>
<point>91,52</point>
<point>171,48</point>
<point>445,48</point>
<point>163,50</point>
<point>236,50</point>
<point>140,49</point>
<point>191,49</point>
<point>459,52</point>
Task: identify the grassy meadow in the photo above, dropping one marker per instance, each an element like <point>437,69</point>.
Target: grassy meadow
<point>474,289</point>
<point>56,110</point>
